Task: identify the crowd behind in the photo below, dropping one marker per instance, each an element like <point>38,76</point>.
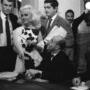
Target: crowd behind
<point>44,46</point>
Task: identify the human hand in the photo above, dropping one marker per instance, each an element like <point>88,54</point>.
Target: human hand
<point>21,55</point>
<point>32,72</point>
<point>76,81</point>
<point>40,45</point>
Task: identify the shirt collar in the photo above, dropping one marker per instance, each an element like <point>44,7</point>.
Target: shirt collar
<point>54,16</point>
<point>3,15</point>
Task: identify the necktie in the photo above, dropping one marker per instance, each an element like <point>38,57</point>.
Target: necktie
<point>49,22</point>
<point>1,27</point>
<point>48,25</point>
<point>8,33</point>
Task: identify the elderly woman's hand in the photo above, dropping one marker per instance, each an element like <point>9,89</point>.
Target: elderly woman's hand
<point>32,72</point>
<point>21,55</point>
<point>76,81</point>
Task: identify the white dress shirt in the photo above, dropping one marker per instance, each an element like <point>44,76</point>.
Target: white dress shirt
<point>3,38</point>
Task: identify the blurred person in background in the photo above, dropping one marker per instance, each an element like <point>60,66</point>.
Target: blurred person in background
<point>81,26</point>
<point>8,22</point>
<point>69,49</point>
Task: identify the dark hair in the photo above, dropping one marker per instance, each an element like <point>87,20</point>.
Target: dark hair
<point>69,11</point>
<point>54,3</point>
<point>8,1</point>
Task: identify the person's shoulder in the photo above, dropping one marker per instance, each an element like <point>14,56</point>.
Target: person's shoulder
<point>18,29</point>
<point>60,18</point>
<point>62,22</point>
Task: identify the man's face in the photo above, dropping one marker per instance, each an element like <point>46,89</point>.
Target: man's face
<point>26,17</point>
<point>69,17</point>
<point>7,7</point>
<point>49,10</point>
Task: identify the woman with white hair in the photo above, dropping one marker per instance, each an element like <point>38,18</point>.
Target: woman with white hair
<point>25,39</point>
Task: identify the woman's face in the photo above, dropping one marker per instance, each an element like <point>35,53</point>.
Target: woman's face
<point>26,17</point>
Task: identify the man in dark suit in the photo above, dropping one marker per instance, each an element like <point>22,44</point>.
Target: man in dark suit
<point>8,23</point>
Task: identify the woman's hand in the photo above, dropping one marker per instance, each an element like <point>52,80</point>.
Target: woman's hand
<point>21,55</point>
<point>32,72</point>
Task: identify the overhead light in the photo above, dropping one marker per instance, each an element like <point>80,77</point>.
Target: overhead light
<point>87,5</point>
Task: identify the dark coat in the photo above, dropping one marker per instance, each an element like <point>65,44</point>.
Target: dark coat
<point>59,69</point>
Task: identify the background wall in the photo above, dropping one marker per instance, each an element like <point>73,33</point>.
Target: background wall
<point>76,5</point>
<point>34,3</point>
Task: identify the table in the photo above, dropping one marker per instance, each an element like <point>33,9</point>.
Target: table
<point>30,85</point>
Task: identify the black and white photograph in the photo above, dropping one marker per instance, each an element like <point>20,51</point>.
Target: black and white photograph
<point>44,44</point>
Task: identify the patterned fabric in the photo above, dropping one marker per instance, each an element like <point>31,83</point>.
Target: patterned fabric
<point>28,34</point>
<point>21,36</point>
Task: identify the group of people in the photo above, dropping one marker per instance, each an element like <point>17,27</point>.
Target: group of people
<point>36,47</point>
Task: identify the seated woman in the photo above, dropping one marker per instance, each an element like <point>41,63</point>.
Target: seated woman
<point>25,39</point>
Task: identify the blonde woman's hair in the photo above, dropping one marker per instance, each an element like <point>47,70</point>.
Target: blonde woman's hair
<point>36,15</point>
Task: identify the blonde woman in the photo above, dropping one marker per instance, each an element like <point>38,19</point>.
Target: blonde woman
<point>25,39</point>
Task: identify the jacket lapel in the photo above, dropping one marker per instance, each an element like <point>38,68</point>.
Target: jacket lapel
<point>53,24</point>
<point>1,27</point>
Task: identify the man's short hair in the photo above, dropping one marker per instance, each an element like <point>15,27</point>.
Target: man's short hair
<point>8,1</point>
<point>54,3</point>
<point>69,11</point>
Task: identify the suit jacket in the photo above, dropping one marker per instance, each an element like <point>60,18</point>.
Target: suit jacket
<point>59,21</point>
<point>75,25</point>
<point>8,56</point>
<point>14,20</point>
<point>57,70</point>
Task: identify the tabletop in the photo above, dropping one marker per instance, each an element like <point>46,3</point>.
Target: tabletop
<point>30,85</point>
